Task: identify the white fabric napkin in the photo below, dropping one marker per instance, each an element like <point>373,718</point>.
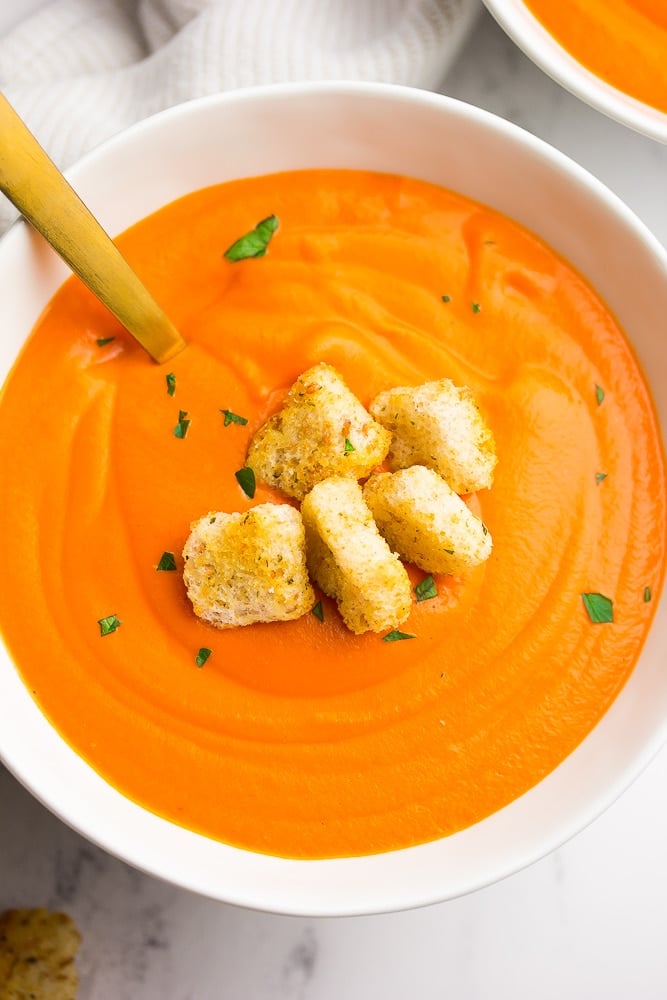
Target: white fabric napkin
<point>78,71</point>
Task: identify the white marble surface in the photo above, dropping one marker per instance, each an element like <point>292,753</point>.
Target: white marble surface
<point>585,923</point>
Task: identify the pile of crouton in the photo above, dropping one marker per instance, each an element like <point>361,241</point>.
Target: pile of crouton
<point>350,539</point>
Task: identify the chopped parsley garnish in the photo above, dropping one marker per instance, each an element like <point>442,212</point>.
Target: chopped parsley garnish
<point>426,589</point>
<point>246,479</point>
<point>599,394</point>
<point>599,476</point>
<point>233,418</point>
<point>109,624</point>
<point>181,428</point>
<point>475,306</point>
<point>318,611</point>
<point>103,341</point>
<point>395,636</point>
<point>600,608</point>
<point>446,298</point>
<point>254,243</point>
<point>349,446</point>
<point>171,383</point>
<point>202,656</point>
<point>647,595</point>
<point>167,562</point>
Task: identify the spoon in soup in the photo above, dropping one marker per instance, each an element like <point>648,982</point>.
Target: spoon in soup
<point>36,187</point>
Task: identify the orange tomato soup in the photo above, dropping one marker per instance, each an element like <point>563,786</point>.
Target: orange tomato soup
<point>299,738</point>
<point>624,42</point>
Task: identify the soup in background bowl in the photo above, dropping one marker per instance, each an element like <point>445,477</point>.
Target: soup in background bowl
<point>367,132</point>
<point>612,55</point>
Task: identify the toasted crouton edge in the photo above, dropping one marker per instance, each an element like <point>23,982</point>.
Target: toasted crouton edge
<point>349,559</point>
<point>321,430</point>
<point>426,522</point>
<point>439,425</point>
<point>243,568</point>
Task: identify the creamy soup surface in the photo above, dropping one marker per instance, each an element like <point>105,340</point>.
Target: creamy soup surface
<point>624,42</point>
<point>301,739</point>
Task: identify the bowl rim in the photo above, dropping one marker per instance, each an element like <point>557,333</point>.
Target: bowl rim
<point>526,31</point>
<point>403,879</point>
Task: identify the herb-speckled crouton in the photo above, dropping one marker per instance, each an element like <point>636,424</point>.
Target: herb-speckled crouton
<point>351,561</point>
<point>37,952</point>
<point>248,567</point>
<point>439,425</point>
<point>322,430</point>
<point>426,522</point>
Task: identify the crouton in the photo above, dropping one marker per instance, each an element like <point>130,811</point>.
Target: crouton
<point>351,561</point>
<point>248,567</point>
<point>439,425</point>
<point>322,430</point>
<point>426,522</point>
<point>37,952</point>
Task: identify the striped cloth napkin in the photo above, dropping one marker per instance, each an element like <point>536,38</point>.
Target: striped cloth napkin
<point>79,71</point>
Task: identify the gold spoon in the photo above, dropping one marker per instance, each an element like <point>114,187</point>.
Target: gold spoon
<point>40,192</point>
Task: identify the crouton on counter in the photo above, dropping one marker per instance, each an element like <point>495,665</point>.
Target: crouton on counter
<point>426,522</point>
<point>439,425</point>
<point>351,561</point>
<point>322,430</point>
<point>248,567</point>
<point>37,952</point>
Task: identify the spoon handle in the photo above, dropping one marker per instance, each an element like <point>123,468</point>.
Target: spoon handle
<point>37,188</point>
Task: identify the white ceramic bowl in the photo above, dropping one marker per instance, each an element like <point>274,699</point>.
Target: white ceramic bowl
<point>533,39</point>
<point>430,137</point>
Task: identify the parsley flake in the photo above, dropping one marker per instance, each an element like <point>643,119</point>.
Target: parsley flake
<point>446,298</point>
<point>109,624</point>
<point>181,428</point>
<point>647,595</point>
<point>233,418</point>
<point>318,611</point>
<point>395,636</point>
<point>600,609</point>
<point>103,341</point>
<point>246,479</point>
<point>475,306</point>
<point>599,394</point>
<point>426,589</point>
<point>202,656</point>
<point>171,383</point>
<point>349,446</point>
<point>167,562</point>
<point>254,243</point>
<point>599,476</point>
